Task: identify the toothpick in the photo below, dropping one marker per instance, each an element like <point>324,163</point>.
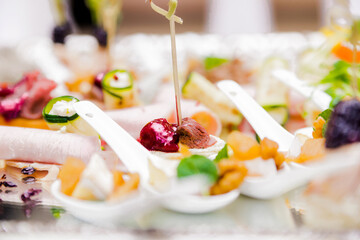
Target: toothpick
<point>175,71</point>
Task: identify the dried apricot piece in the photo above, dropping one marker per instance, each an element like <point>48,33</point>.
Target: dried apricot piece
<point>312,149</point>
<point>268,148</point>
<point>318,127</point>
<point>244,147</point>
<point>118,178</point>
<point>129,186</point>
<point>70,174</point>
<point>228,182</point>
<point>279,159</point>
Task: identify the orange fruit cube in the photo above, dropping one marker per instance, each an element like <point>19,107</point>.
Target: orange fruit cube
<point>244,147</point>
<point>70,174</point>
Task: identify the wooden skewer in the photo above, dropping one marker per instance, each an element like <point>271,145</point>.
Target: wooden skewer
<point>175,71</point>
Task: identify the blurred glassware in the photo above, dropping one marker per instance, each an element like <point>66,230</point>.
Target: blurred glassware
<point>24,19</point>
<point>338,12</point>
<point>239,16</point>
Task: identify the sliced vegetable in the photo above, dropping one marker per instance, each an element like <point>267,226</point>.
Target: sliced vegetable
<point>199,88</point>
<point>55,118</point>
<point>118,89</point>
<point>338,82</point>
<point>59,113</point>
<point>197,164</point>
<point>213,62</point>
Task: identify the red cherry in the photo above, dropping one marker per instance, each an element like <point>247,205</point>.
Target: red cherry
<point>160,135</point>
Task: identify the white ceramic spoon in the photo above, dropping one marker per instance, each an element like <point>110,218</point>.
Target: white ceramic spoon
<point>318,97</point>
<point>287,178</point>
<point>136,158</point>
<point>262,122</point>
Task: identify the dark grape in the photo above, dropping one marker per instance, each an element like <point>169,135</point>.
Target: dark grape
<point>60,32</point>
<point>344,124</point>
<point>101,36</point>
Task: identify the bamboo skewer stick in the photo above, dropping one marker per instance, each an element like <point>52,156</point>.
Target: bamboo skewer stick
<point>175,71</point>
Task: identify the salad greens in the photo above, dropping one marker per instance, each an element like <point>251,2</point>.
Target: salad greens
<point>213,62</point>
<point>338,82</point>
<point>197,164</point>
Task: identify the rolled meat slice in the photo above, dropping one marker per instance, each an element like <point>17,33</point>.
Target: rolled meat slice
<point>45,146</point>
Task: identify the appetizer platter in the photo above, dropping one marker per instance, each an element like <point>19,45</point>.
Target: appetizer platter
<point>143,129</point>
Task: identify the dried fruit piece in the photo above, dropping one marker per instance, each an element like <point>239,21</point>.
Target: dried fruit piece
<point>118,178</point>
<point>228,165</point>
<point>229,182</point>
<point>268,148</point>
<point>279,159</point>
<point>318,127</point>
<point>244,147</point>
<point>70,174</point>
<point>311,150</point>
<point>129,186</point>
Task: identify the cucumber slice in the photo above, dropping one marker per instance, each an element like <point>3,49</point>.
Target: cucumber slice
<point>118,89</point>
<point>73,123</point>
<point>49,118</point>
<point>199,88</point>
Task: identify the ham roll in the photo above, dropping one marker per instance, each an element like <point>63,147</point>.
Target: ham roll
<point>37,145</point>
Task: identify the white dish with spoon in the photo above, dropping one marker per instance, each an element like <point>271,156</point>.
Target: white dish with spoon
<point>318,97</point>
<point>180,197</point>
<point>291,175</point>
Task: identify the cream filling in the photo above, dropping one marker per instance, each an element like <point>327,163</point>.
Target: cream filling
<point>209,152</point>
<point>63,108</point>
<point>122,81</point>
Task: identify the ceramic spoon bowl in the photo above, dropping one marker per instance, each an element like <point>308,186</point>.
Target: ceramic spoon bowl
<point>138,159</point>
<point>291,176</point>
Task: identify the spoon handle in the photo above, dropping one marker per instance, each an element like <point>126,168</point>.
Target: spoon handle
<point>131,152</point>
<point>259,119</point>
<point>318,97</point>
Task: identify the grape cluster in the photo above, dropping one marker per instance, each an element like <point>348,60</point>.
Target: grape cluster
<point>344,124</point>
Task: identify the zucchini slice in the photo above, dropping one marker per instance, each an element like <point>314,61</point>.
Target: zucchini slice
<point>50,118</point>
<point>118,89</point>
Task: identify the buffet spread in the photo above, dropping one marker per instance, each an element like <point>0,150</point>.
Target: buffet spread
<point>260,133</point>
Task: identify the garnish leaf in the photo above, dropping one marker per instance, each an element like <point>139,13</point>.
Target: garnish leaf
<point>56,212</point>
<point>223,153</point>
<point>213,62</point>
<point>197,164</point>
<point>338,82</point>
<point>326,114</point>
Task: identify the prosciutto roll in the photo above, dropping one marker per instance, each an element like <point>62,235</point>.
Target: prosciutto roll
<point>45,146</point>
